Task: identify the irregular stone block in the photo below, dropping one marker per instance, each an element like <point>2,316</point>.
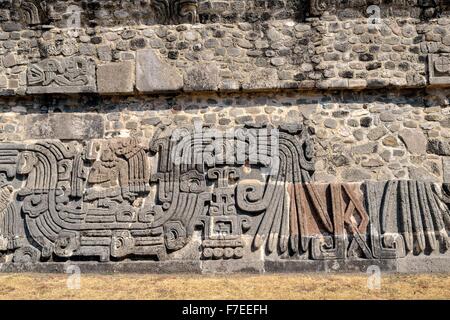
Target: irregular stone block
<point>202,78</point>
<point>377,133</point>
<point>65,126</point>
<point>421,174</point>
<point>4,15</point>
<point>262,78</point>
<point>368,148</point>
<point>354,175</point>
<point>414,140</point>
<point>439,147</point>
<point>9,60</point>
<point>446,168</point>
<point>3,81</point>
<point>116,78</point>
<point>61,75</point>
<point>155,75</point>
<point>11,26</point>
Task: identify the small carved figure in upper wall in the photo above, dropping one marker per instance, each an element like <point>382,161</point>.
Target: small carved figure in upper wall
<point>34,13</point>
<point>176,11</point>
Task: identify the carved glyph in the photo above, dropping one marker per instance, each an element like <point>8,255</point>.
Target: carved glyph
<point>439,69</point>
<point>61,75</point>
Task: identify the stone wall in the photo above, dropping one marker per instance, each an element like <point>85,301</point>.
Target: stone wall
<point>324,53</point>
<point>356,137</point>
<point>355,115</point>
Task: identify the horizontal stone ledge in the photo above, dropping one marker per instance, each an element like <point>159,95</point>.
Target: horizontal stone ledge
<point>149,73</point>
<point>405,265</point>
<point>148,267</point>
<point>329,266</point>
<point>125,88</point>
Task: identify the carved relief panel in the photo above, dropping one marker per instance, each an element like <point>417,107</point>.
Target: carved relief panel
<point>119,198</point>
<point>439,69</point>
<point>51,13</point>
<point>61,75</point>
<point>351,8</point>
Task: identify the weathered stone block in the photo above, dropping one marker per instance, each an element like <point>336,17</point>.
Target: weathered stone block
<point>155,75</point>
<point>421,174</point>
<point>9,60</point>
<point>4,15</point>
<point>3,81</point>
<point>354,175</point>
<point>65,126</point>
<point>446,169</point>
<point>414,140</point>
<point>262,78</point>
<point>202,78</point>
<point>439,147</point>
<point>116,78</point>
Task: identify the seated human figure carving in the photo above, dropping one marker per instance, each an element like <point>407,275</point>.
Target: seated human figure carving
<point>120,173</point>
<point>109,177</point>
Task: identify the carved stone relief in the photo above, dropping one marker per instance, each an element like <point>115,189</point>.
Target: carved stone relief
<point>120,198</point>
<point>439,69</point>
<point>54,13</point>
<point>176,11</point>
<point>419,8</point>
<point>61,75</point>
<point>47,14</point>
